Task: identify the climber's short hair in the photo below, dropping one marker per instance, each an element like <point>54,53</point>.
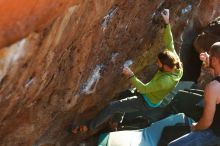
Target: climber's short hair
<point>170,59</point>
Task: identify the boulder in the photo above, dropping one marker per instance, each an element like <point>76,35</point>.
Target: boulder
<point>61,62</point>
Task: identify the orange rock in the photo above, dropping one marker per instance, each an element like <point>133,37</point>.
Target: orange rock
<point>19,18</point>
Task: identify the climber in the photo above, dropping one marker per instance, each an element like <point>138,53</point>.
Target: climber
<point>207,130</point>
<point>147,96</point>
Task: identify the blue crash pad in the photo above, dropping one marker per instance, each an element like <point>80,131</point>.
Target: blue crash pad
<point>143,137</point>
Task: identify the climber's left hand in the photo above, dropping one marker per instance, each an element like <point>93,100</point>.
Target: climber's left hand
<point>166,14</point>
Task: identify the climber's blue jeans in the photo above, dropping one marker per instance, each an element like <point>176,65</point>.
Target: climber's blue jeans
<point>199,138</point>
<point>130,102</point>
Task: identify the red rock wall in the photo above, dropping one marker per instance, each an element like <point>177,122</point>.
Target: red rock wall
<point>19,18</point>
<point>71,67</point>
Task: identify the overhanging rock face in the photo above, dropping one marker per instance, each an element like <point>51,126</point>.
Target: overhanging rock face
<point>69,65</point>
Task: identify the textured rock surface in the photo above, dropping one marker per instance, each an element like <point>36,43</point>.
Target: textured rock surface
<point>71,67</point>
<point>18,19</point>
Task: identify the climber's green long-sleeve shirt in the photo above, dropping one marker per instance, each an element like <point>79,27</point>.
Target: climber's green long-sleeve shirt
<point>162,82</point>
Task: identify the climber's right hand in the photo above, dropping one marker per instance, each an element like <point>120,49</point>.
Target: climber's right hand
<point>127,72</point>
<point>166,14</point>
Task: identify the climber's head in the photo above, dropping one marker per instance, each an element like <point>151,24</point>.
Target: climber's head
<point>167,60</point>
